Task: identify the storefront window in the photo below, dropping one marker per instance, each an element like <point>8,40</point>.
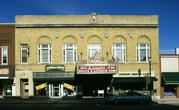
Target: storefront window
<point>94,50</point>
<point>118,52</point>
<point>24,50</point>
<point>44,53</point>
<point>143,52</point>
<point>4,55</point>
<point>69,53</point>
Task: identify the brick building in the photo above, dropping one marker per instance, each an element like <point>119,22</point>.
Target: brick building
<point>7,58</point>
<point>93,53</point>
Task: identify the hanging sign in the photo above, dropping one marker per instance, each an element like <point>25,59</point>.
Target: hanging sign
<point>41,86</point>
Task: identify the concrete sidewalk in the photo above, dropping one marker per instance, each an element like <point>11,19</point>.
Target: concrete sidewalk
<point>167,101</point>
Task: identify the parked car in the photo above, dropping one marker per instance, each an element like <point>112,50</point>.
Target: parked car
<point>129,97</point>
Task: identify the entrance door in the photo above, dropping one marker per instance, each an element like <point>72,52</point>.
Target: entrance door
<point>55,91</point>
<point>24,87</point>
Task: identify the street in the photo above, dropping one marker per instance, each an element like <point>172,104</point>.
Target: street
<point>97,106</point>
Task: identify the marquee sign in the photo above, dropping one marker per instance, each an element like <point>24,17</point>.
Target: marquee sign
<point>96,69</point>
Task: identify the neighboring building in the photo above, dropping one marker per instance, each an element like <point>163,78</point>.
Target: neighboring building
<point>170,75</point>
<point>7,58</point>
<point>90,52</point>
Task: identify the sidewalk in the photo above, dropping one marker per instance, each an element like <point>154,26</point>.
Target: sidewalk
<point>167,101</point>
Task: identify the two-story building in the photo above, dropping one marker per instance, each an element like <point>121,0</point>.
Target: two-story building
<point>56,55</point>
<point>7,58</point>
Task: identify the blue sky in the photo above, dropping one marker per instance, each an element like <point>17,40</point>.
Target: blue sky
<point>167,10</point>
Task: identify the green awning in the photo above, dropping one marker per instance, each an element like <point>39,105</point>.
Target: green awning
<point>53,77</point>
<point>133,79</point>
<point>170,78</point>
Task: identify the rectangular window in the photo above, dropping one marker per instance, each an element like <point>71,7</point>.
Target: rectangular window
<point>4,55</point>
<point>69,53</point>
<point>143,52</point>
<point>94,50</point>
<point>119,52</point>
<point>44,53</point>
<point>24,53</point>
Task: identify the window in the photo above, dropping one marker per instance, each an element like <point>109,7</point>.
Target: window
<point>94,50</point>
<point>4,55</point>
<point>69,53</point>
<point>143,52</point>
<point>44,53</point>
<point>24,53</point>
<point>118,52</point>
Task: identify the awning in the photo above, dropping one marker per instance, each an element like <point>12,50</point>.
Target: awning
<point>43,77</point>
<point>133,79</point>
<point>170,78</point>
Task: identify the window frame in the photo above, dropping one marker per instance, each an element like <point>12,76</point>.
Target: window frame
<point>122,48</point>
<point>74,52</point>
<point>49,48</point>
<point>2,52</point>
<point>26,49</point>
<point>138,52</point>
<point>89,48</point>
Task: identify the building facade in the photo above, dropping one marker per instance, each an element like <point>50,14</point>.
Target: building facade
<point>170,75</point>
<point>7,58</point>
<point>90,54</point>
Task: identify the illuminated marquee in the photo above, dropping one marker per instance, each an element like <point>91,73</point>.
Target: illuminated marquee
<point>96,69</point>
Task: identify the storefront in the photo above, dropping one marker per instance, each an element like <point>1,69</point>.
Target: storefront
<point>6,80</point>
<point>170,84</point>
<point>93,78</point>
<point>127,81</point>
<point>54,83</point>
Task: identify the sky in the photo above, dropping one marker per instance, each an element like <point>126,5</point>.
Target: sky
<point>167,10</point>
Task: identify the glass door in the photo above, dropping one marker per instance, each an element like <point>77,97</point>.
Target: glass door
<point>55,91</point>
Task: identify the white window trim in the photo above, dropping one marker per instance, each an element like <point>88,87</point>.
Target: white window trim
<point>2,55</point>
<point>123,48</point>
<point>147,48</point>
<point>49,51</point>
<point>74,48</point>
<point>21,53</point>
<point>90,47</point>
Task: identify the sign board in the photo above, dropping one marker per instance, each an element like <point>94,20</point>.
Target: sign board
<point>41,86</point>
<point>4,71</point>
<point>133,74</point>
<point>55,68</point>
<point>68,86</point>
<point>97,69</point>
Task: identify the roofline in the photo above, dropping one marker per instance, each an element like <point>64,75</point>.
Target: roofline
<point>85,25</point>
<point>7,24</point>
<point>169,54</point>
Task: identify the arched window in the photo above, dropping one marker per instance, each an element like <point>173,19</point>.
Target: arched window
<point>69,50</point>
<point>44,49</point>
<point>143,49</point>
<point>94,47</point>
<point>119,49</point>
